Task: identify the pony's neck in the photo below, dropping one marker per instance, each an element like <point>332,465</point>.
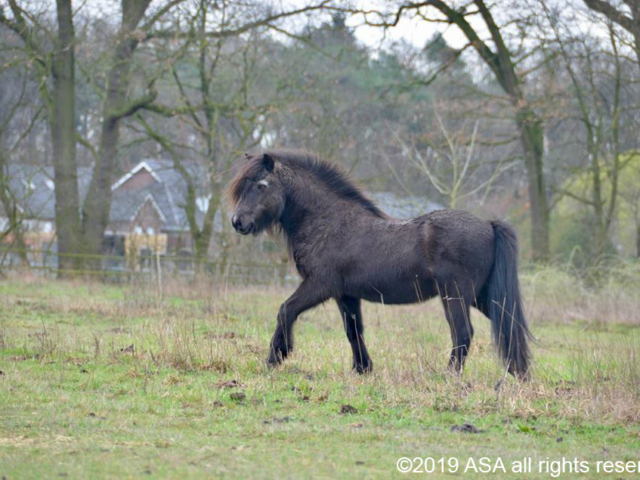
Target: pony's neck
<point>307,201</point>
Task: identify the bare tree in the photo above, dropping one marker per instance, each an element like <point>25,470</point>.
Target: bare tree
<point>81,230</point>
<point>224,97</point>
<point>16,123</point>
<point>626,14</point>
<point>451,167</point>
<point>600,117</point>
<point>59,99</point>
<point>117,104</point>
<point>497,55</point>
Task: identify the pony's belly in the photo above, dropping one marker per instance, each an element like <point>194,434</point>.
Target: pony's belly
<point>395,292</point>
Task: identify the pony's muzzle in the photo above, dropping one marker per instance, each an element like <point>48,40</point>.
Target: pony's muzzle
<point>243,227</point>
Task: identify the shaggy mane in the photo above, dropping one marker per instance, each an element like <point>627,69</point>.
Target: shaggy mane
<point>329,174</point>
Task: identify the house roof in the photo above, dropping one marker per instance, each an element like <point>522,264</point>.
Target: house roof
<point>404,207</point>
<point>168,192</point>
<point>33,188</point>
<point>141,166</point>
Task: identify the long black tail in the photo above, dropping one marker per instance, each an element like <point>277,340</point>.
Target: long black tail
<point>500,300</point>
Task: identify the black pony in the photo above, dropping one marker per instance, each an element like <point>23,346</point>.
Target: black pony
<point>346,248</point>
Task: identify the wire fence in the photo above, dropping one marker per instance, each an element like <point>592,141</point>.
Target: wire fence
<point>147,266</point>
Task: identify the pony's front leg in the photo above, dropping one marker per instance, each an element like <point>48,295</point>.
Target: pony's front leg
<point>308,295</point>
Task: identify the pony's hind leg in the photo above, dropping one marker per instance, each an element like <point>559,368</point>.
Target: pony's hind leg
<point>456,309</point>
<point>352,319</point>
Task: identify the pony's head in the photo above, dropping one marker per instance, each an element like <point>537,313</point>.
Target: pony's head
<point>257,195</point>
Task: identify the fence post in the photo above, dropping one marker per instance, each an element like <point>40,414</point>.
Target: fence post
<point>159,273</point>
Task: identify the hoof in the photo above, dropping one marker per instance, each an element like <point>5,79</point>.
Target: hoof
<point>273,361</point>
<point>523,377</point>
<point>272,365</point>
<point>455,366</point>
<point>275,357</point>
<point>363,368</point>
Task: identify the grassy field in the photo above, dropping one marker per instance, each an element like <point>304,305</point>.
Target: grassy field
<point>110,381</point>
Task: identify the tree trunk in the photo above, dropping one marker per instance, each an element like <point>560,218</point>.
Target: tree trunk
<point>532,139</point>
<point>12,212</point>
<point>97,205</point>
<point>203,238</point>
<point>62,119</point>
<point>602,233</point>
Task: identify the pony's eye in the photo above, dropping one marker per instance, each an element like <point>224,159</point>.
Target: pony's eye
<point>262,186</point>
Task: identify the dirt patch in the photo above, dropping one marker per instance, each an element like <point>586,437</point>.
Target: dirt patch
<point>565,388</point>
<point>229,384</point>
<point>24,358</point>
<point>220,336</point>
<point>278,420</point>
<point>216,366</point>
<point>348,409</point>
<point>466,428</point>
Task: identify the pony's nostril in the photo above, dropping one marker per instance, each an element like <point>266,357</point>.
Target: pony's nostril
<point>237,223</point>
<point>241,226</point>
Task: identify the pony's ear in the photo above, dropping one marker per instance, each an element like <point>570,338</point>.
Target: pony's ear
<point>268,162</point>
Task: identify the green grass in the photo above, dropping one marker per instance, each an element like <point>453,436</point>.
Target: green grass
<point>76,402</point>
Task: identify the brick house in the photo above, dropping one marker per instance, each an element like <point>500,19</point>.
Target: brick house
<point>146,217</point>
